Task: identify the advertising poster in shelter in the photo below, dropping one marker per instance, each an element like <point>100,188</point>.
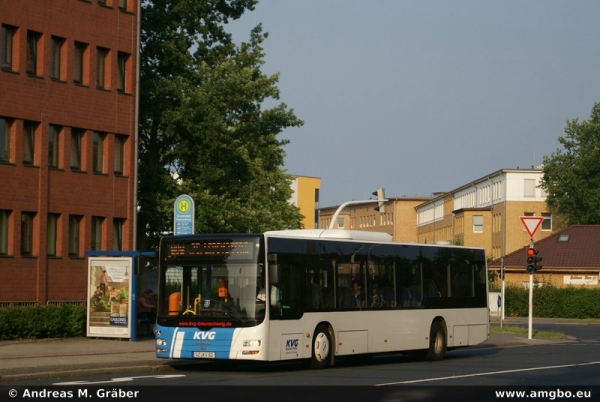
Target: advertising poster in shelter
<point>109,296</point>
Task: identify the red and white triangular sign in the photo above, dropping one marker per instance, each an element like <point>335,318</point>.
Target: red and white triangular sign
<point>532,223</point>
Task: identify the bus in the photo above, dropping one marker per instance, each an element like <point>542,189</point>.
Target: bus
<point>316,295</point>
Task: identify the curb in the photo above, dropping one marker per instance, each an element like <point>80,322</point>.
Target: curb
<point>88,372</point>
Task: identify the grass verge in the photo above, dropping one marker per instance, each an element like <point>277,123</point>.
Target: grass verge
<point>535,333</point>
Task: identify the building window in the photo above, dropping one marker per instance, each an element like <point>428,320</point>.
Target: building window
<point>51,231</point>
<point>477,224</point>
<point>53,145</point>
<point>101,57</point>
<point>76,138</point>
<point>122,59</point>
<point>529,188</point>
<point>4,215</point>
<point>29,142</point>
<point>5,130</point>
<point>118,224</point>
<point>8,34</point>
<point>80,69</point>
<point>27,233</point>
<point>119,153</point>
<point>33,39</point>
<point>56,48</point>
<point>547,222</point>
<point>123,5</point>
<point>97,233</point>
<point>74,235</point>
<point>98,152</point>
<point>340,223</point>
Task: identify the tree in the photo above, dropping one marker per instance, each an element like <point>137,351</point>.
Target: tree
<point>203,130</point>
<point>572,177</point>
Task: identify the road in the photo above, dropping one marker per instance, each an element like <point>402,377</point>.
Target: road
<point>566,364</point>
<point>558,368</point>
<point>573,362</point>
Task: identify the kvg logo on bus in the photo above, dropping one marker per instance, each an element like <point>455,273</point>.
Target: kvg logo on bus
<point>291,344</point>
<point>205,335</point>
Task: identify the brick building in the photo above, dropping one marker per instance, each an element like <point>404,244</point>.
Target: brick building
<point>482,213</point>
<point>486,212</point>
<point>398,220</point>
<point>67,142</point>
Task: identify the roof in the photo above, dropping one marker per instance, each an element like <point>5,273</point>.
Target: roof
<point>573,247</point>
<point>442,194</point>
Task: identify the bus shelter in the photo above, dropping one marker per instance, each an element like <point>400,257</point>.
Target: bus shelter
<point>112,292</point>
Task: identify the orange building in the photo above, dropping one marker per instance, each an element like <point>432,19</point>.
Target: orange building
<point>67,142</point>
<point>306,197</point>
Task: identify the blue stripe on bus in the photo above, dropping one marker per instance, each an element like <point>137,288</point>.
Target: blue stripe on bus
<point>181,343</point>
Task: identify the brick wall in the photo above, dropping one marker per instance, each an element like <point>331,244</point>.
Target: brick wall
<point>62,102</point>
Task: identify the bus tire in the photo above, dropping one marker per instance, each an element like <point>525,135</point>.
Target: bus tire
<point>321,348</point>
<point>437,342</point>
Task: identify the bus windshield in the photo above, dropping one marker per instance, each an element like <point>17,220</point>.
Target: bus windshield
<point>210,282</point>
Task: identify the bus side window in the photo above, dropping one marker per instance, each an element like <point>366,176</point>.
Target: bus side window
<point>314,297</point>
<point>388,296</point>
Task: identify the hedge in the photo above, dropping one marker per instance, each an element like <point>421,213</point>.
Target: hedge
<point>553,302</point>
<point>33,322</point>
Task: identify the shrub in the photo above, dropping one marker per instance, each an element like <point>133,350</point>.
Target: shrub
<point>33,322</point>
<point>552,302</point>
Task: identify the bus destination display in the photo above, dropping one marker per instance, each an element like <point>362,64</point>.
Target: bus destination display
<point>242,250</point>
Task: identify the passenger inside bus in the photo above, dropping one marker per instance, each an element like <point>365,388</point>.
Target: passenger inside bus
<point>377,301</point>
<point>359,298</point>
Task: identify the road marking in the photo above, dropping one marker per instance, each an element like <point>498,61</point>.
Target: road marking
<point>488,373</point>
<point>121,379</point>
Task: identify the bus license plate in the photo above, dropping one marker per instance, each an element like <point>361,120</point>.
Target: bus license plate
<point>204,355</point>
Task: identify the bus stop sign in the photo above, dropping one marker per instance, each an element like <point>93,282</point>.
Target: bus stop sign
<point>531,223</point>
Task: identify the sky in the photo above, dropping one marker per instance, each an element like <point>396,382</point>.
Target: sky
<point>420,97</point>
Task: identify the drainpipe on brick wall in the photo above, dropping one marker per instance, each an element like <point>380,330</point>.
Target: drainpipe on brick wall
<point>136,124</point>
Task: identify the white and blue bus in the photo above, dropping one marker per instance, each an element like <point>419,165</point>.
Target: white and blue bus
<point>316,295</point>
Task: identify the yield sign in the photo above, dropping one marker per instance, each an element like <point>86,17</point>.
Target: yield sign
<point>532,223</point>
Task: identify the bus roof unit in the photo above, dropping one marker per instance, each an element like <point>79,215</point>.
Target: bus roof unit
<point>334,234</point>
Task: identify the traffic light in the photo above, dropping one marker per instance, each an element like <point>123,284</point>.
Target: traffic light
<point>532,260</point>
<point>380,193</point>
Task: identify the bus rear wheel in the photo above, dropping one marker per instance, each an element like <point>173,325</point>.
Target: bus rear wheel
<point>321,348</point>
<point>437,342</point>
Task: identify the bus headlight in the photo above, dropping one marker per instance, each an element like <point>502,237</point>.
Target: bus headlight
<point>251,343</point>
<point>161,342</point>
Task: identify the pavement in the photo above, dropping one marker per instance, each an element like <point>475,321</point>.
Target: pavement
<point>70,357</point>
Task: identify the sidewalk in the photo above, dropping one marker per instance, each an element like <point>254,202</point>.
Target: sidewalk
<point>69,357</point>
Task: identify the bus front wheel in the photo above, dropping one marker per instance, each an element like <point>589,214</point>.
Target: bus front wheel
<point>321,350</point>
<point>437,342</point>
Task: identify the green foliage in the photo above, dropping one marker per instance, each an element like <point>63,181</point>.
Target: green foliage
<point>203,129</point>
<point>572,177</point>
<point>102,306</point>
<point>553,302</point>
<point>123,295</point>
<point>33,322</point>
